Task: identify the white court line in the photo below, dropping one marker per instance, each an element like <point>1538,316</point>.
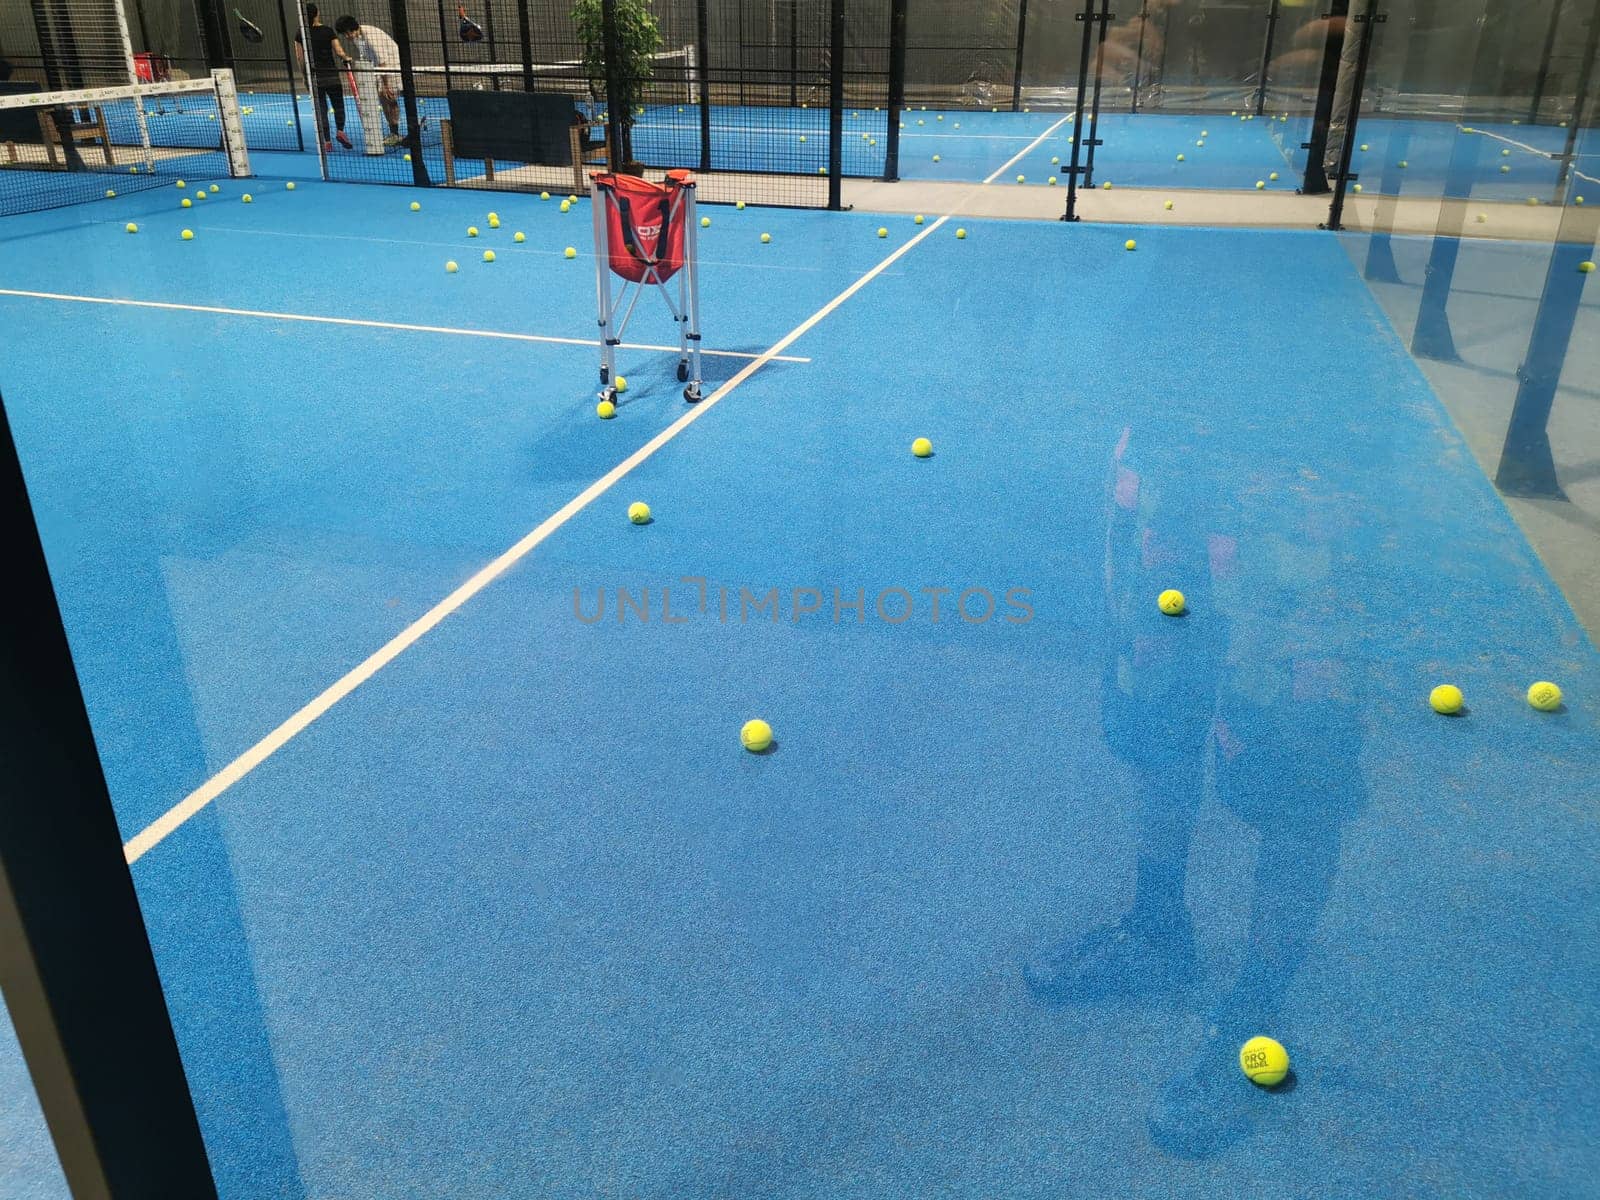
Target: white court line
<point>163,826</point>
<point>362,324</point>
<point>170,821</point>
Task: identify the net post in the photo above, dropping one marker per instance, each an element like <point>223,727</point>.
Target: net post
<point>700,71</point>
<point>75,959</point>
<point>1315,182</point>
<point>232,129</point>
<point>897,87</point>
<point>400,22</point>
<point>835,104</point>
<point>1022,38</point>
<point>1106,17</point>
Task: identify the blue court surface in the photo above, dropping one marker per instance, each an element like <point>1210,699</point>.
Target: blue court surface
<point>480,896</point>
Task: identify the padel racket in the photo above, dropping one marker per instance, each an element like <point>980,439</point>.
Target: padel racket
<point>249,30</point>
<point>471,31</point>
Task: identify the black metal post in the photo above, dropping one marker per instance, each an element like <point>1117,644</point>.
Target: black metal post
<point>794,53</point>
<point>1580,105</point>
<point>1087,18</point>
<point>288,66</point>
<point>213,37</point>
<point>897,87</point>
<point>444,49</point>
<point>1022,41</point>
<point>702,32</point>
<point>1315,182</point>
<point>836,104</point>
<point>615,113</point>
<point>525,45</point>
<point>1099,75</point>
<point>76,967</point>
<point>1543,78</point>
<point>1138,54</point>
<point>1369,22</point>
<point>400,22</point>
<point>1266,57</point>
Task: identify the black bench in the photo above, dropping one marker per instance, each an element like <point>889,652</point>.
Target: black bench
<point>541,128</point>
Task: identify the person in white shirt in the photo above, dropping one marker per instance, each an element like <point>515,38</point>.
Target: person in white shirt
<point>379,52</point>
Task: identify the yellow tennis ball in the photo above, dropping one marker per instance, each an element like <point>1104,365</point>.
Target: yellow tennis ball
<point>1505,154</point>
<point>1404,164</point>
<point>1171,602</point>
<point>755,736</point>
<point>248,198</point>
<point>622,384</point>
<point>1051,181</point>
<point>1264,1061</point>
<point>765,238</point>
<point>451,267</point>
<point>605,410</point>
<point>1586,267</point>
<point>472,231</point>
<point>572,199</point>
<point>1446,699</point>
<point>1022,179</point>
<point>705,222</point>
<point>1106,185</point>
<point>110,194</point>
<point>1505,170</point>
<point>289,187</point>
<point>1545,696</point>
<point>1273,177</point>
<point>187,235</point>
<point>1260,183</point>
<point>1482,218</point>
<point>1130,244</point>
<point>200,195</point>
<point>544,195</point>
<point>882,232</point>
<point>215,189</point>
<point>131,227</point>
<point>961,235</point>
<point>940,117</point>
<point>740,205</point>
<point>566,206</point>
<point>1180,158</point>
<point>917,219</point>
<point>802,137</point>
<point>922,448</point>
<point>1055,161</point>
<point>1533,202</point>
<point>935,157</point>
<point>1363,145</point>
<point>519,237</point>
<point>494,218</point>
<point>639,512</point>
<point>1169,206</point>
<point>571,252</point>
<point>1201,143</point>
<point>415,207</point>
<point>488,256</point>
<point>186,203</point>
<point>180,185</point>
<point>1357,188</point>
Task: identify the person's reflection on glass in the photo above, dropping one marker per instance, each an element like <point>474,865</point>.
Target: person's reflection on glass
<point>1251,692</point>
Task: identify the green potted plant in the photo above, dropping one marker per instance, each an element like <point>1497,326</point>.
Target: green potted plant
<point>638,39</point>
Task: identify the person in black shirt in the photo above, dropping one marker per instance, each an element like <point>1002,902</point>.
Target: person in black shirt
<point>328,61</point>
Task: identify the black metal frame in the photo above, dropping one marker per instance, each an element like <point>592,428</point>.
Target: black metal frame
<point>76,966</point>
<point>1315,182</point>
<point>1090,19</point>
<point>836,51</point>
<point>1369,22</point>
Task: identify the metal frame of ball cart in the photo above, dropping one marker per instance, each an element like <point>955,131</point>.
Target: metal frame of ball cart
<point>685,313</point>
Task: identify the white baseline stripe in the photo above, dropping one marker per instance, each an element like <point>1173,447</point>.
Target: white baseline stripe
<point>355,321</point>
<point>163,826</point>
